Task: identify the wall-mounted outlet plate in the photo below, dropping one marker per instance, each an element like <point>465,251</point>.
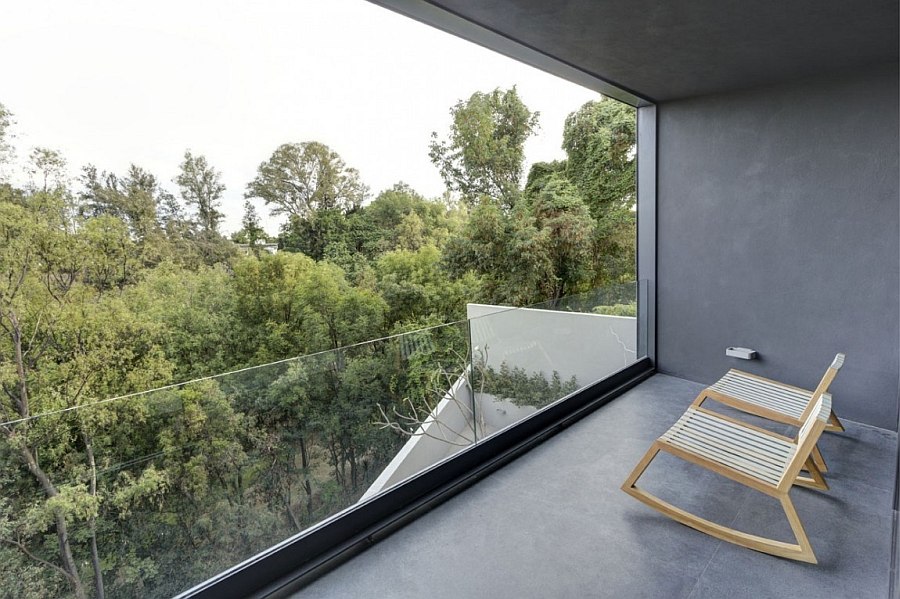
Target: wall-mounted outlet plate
<point>740,352</point>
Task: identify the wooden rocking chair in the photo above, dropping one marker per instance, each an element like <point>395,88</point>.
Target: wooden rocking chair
<point>773,400</point>
<point>746,454</point>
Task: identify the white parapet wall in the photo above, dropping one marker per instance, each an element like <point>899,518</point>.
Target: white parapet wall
<point>446,430</point>
<point>587,346</point>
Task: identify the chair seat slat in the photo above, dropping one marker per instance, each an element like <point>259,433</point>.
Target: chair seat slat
<point>766,441</point>
<point>742,461</point>
<point>750,390</point>
<point>775,389</point>
<point>744,450</point>
<point>712,454</point>
<point>767,453</point>
<point>756,388</point>
<point>762,392</point>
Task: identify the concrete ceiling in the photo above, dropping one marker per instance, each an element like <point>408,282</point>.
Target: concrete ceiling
<point>665,50</point>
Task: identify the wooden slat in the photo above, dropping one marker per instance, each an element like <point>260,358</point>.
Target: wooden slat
<point>739,448</point>
<point>773,387</point>
<point>776,396</point>
<point>764,394</point>
<point>727,455</point>
<point>793,410</point>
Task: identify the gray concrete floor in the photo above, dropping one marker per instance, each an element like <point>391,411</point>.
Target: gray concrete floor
<point>555,524</point>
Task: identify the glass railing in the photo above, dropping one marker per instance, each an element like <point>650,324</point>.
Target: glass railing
<point>527,358</point>
<point>161,490</point>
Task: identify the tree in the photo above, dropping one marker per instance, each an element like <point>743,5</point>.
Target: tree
<point>251,231</point>
<point>173,218</point>
<point>62,343</point>
<point>301,179</point>
<point>336,314</point>
<point>541,173</point>
<point>201,187</point>
<point>416,287</point>
<point>599,139</point>
<point>111,260</point>
<point>401,218</point>
<point>317,235</point>
<point>561,215</point>
<point>507,251</point>
<point>134,198</point>
<point>6,123</point>
<point>49,167</point>
<point>198,320</point>
<point>484,154</point>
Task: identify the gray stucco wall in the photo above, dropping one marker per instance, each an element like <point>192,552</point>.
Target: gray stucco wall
<point>779,230</point>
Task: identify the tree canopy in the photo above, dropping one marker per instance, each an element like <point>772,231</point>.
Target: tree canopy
<point>201,188</point>
<point>301,179</point>
<point>484,153</point>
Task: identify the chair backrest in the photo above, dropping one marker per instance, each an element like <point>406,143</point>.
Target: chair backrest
<point>823,385</point>
<point>807,438</point>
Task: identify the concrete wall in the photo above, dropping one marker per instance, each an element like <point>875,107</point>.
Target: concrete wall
<point>778,230</point>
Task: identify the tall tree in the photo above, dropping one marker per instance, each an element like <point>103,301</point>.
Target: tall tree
<point>401,218</point>
<point>599,140</point>
<point>484,153</point>
<point>507,251</point>
<point>561,215</point>
<point>133,198</point>
<point>202,188</point>
<point>63,341</point>
<point>251,231</point>
<point>6,122</point>
<point>300,179</point>
<point>47,169</point>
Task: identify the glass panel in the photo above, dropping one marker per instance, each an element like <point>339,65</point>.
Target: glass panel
<point>525,359</point>
<point>191,479</point>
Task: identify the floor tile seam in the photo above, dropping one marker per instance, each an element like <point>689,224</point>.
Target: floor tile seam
<point>696,588</point>
<point>719,544</point>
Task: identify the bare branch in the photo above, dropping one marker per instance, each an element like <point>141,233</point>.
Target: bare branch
<point>21,547</point>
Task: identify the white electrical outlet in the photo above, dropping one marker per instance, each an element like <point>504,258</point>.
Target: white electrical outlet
<point>740,352</point>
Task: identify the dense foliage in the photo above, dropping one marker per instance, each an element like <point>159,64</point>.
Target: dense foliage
<point>112,285</point>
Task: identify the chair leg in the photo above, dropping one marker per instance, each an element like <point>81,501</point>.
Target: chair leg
<point>819,460</point>
<point>817,481</point>
<point>834,425</point>
<point>806,552</point>
<point>641,466</point>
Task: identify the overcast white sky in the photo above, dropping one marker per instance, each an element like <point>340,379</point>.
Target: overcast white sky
<point>114,82</point>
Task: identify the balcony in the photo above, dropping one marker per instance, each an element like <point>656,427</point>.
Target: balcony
<point>555,524</point>
<point>767,216</point>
